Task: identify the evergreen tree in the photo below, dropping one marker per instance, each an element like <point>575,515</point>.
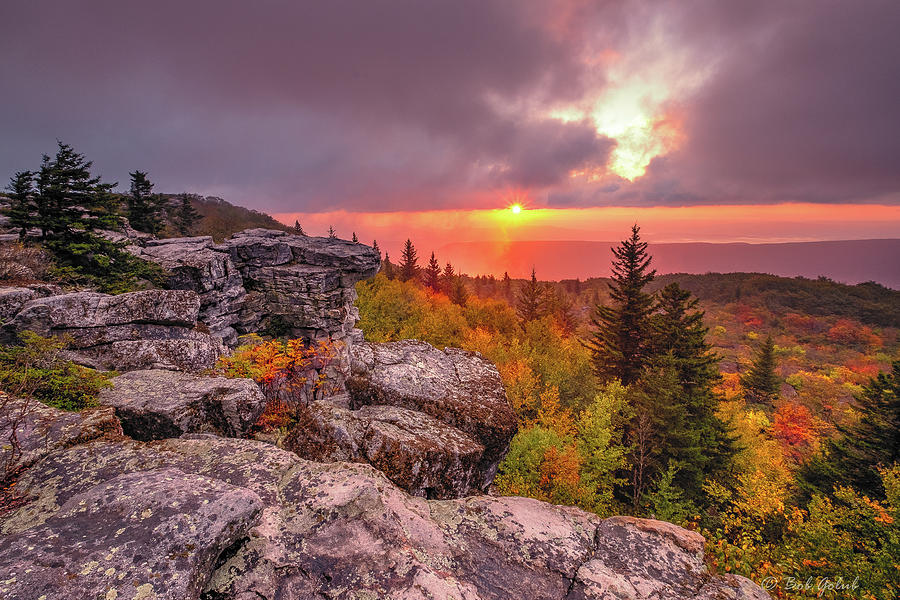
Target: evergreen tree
<point>331,232</point>
<point>387,267</point>
<point>622,340</point>
<point>431,277</point>
<point>760,383</point>
<point>861,448</point>
<point>22,203</point>
<point>447,278</point>
<point>185,215</point>
<point>143,206</point>
<point>298,229</point>
<point>409,270</point>
<point>706,448</point>
<point>375,247</point>
<point>70,201</point>
<point>531,301</point>
<point>354,239</point>
<point>459,294</point>
<point>507,286</point>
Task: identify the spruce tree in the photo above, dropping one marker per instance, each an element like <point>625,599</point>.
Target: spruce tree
<point>186,216</point>
<point>862,447</point>
<point>298,229</point>
<point>760,383</point>
<point>22,208</point>
<point>387,267</point>
<point>331,232</point>
<point>431,277</point>
<point>459,294</point>
<point>448,277</point>
<point>409,270</point>
<point>531,301</point>
<point>375,247</point>
<point>354,239</point>
<point>705,448</point>
<point>621,344</point>
<point>143,206</point>
<point>507,286</point>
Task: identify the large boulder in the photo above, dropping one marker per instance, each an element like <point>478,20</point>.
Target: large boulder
<point>158,404</point>
<point>461,389</point>
<point>416,452</point>
<point>29,430</point>
<point>148,329</point>
<point>333,530</point>
<point>149,534</point>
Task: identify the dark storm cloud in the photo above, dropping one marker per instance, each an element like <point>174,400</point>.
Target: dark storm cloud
<point>407,104</point>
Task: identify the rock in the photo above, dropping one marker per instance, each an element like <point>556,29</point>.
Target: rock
<point>415,451</point>
<point>157,404</point>
<point>194,265</point>
<point>12,299</point>
<point>325,530</point>
<point>40,429</point>
<point>299,283</point>
<point>150,534</point>
<point>262,279</point>
<point>458,388</point>
<point>153,328</point>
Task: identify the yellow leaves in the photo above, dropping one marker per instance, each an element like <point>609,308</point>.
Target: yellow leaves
<point>551,416</point>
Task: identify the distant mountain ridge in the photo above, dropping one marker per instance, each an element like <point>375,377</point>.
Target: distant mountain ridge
<point>849,261</point>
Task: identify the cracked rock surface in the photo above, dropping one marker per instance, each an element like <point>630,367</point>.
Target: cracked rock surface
<point>237,519</point>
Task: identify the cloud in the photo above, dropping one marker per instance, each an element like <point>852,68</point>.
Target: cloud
<point>315,106</point>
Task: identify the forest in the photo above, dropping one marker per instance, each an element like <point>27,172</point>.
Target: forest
<point>761,411</point>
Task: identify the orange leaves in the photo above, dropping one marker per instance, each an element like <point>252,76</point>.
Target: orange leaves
<point>560,474</point>
<point>289,372</point>
<point>797,431</point>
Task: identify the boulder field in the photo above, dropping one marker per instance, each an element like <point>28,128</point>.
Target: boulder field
<point>378,491</point>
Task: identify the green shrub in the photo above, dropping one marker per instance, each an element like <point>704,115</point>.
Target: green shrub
<point>36,369</point>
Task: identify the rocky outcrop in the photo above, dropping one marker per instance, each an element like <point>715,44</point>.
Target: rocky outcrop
<point>263,279</point>
<point>158,404</point>
<point>149,329</point>
<point>459,388</point>
<point>227,518</point>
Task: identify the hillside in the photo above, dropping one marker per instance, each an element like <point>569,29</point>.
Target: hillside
<point>222,219</point>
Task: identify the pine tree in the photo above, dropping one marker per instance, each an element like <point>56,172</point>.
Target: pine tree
<point>144,207</point>
<point>185,215</point>
<point>331,232</point>
<point>706,448</point>
<point>531,301</point>
<point>873,441</point>
<point>387,267</point>
<point>354,239</point>
<point>622,340</point>
<point>431,277</point>
<point>375,247</point>
<point>459,294</point>
<point>409,270</point>
<point>22,203</point>
<point>760,383</point>
<point>447,278</point>
<point>69,201</point>
<point>298,229</point>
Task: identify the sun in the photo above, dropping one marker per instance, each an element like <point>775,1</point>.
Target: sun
<point>516,208</point>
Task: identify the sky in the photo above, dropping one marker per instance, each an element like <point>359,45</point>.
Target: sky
<point>705,120</point>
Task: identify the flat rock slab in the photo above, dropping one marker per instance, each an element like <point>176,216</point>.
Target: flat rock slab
<point>149,534</point>
<point>461,389</point>
<point>158,404</point>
